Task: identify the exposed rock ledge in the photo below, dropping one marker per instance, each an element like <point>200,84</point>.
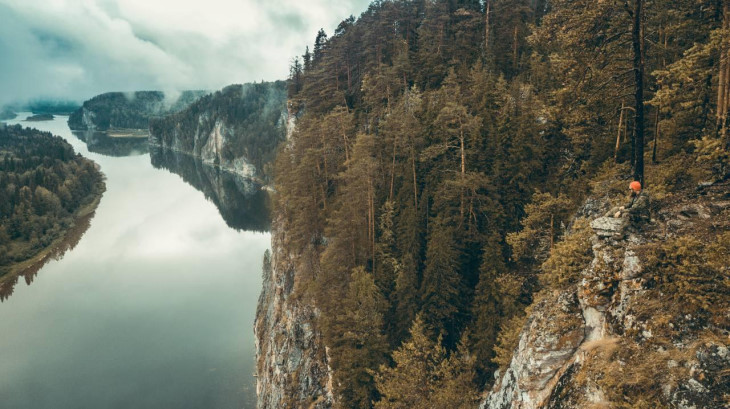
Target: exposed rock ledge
<point>291,363</point>
<point>208,148</point>
<point>565,326</point>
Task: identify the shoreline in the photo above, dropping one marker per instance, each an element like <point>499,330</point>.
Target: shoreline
<point>81,217</point>
<point>220,167</point>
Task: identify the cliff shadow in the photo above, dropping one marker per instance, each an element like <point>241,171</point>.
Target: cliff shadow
<point>242,203</point>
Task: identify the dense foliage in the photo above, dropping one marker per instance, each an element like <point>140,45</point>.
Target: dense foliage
<point>250,115</point>
<point>40,117</point>
<point>128,110</point>
<point>43,183</point>
<point>443,145</point>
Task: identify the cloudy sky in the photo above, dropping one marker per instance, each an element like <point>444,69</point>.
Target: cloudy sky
<point>75,49</point>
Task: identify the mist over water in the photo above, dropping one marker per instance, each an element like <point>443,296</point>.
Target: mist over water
<point>153,308</point>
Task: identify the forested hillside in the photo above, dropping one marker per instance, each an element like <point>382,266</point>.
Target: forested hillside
<point>237,128</point>
<point>441,150</point>
<point>43,183</point>
<point>7,114</point>
<point>127,110</point>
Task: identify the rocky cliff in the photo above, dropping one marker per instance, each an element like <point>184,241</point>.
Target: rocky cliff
<point>291,358</point>
<point>237,128</point>
<point>620,336</point>
<point>291,361</point>
<point>128,110</point>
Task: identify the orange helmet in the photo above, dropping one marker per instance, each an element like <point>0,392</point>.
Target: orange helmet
<point>635,186</point>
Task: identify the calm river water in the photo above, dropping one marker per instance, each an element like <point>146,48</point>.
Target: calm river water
<point>154,307</point>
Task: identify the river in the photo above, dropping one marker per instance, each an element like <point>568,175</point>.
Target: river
<point>155,304</point>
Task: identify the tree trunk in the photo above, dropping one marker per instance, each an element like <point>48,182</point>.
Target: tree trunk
<point>552,231</point>
<point>726,92</point>
<point>345,140</point>
<point>514,49</point>
<point>487,28</point>
<point>722,86</point>
<point>392,172</point>
<point>618,134</point>
<point>637,35</point>
<point>463,173</point>
<point>415,186</point>
<point>371,222</point>
<point>656,134</point>
<point>372,225</point>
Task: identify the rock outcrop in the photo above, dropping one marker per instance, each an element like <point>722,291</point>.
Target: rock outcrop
<point>291,361</point>
<point>291,358</point>
<point>578,337</point>
<point>237,128</point>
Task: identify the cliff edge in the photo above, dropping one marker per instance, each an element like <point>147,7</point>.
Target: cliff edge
<point>237,128</point>
<point>291,361</point>
<point>645,321</point>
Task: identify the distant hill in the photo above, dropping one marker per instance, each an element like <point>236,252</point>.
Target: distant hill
<point>127,110</point>
<point>45,106</point>
<point>6,114</point>
<point>38,107</point>
<point>237,128</point>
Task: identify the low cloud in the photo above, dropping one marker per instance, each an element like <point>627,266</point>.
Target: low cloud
<point>74,49</point>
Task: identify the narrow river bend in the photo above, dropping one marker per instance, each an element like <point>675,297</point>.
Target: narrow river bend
<point>154,307</point>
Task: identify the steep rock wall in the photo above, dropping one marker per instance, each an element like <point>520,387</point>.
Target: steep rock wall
<point>569,334</point>
<point>291,358</point>
<point>291,361</point>
<point>237,128</point>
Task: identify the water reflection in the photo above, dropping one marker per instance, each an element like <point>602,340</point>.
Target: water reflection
<point>154,308</point>
<point>243,204</point>
<point>69,242</point>
<point>117,145</point>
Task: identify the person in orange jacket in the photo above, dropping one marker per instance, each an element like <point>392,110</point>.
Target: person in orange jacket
<point>638,206</point>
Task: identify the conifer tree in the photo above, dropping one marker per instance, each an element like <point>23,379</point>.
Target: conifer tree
<point>442,286</point>
<point>358,345</point>
<point>486,310</point>
<point>424,377</point>
<point>319,45</point>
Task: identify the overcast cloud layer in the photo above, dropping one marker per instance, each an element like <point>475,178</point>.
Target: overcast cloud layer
<point>75,49</point>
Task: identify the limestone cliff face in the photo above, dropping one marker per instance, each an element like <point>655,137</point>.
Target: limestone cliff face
<point>207,145</point>
<point>237,128</point>
<point>291,358</point>
<point>561,358</point>
<point>291,361</point>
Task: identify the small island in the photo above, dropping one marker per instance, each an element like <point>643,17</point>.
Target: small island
<point>40,117</point>
<point>45,189</point>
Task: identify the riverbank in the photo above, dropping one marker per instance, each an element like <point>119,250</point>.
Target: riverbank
<point>67,240</point>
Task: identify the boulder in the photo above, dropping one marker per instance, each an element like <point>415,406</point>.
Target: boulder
<point>609,226</point>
